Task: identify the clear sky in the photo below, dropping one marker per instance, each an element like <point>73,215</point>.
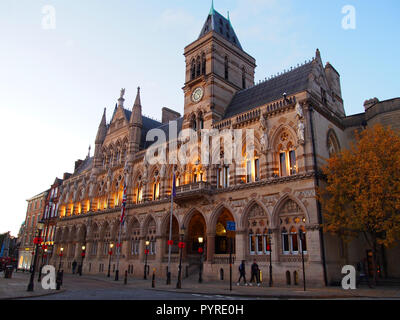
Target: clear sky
<point>55,83</point>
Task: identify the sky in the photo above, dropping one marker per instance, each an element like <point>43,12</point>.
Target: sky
<point>62,62</point>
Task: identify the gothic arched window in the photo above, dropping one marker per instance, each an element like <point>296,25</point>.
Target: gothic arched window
<point>198,66</point>
<point>203,64</point>
<point>226,68</point>
<point>243,78</point>
<point>193,70</point>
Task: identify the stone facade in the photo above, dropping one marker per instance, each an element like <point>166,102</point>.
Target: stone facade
<point>298,119</point>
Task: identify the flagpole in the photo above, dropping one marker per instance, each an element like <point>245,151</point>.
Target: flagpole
<point>170,231</point>
<point>121,222</point>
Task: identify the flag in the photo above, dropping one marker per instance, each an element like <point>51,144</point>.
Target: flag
<point>173,186</point>
<point>123,206</point>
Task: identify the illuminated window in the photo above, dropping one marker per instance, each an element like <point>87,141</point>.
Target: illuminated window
<point>252,170</point>
<point>139,193</point>
<point>156,190</point>
<point>287,163</point>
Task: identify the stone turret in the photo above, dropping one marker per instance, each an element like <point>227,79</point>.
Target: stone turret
<point>135,126</point>
<point>101,135</point>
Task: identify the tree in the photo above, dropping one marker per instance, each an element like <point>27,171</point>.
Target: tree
<point>362,193</point>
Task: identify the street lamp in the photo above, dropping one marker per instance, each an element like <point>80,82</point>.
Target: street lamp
<point>83,256</point>
<point>201,250</point>
<point>146,251</point>
<point>270,256</point>
<point>61,254</point>
<point>181,246</point>
<point>302,235</point>
<point>37,240</point>
<point>109,260</point>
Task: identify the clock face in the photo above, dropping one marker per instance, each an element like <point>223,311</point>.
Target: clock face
<point>197,94</point>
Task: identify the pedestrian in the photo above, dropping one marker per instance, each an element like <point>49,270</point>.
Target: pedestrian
<point>255,271</point>
<point>242,272</point>
<point>74,264</point>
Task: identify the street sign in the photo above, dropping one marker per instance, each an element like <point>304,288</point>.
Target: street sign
<point>230,226</point>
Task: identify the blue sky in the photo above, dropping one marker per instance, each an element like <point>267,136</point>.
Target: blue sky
<point>54,84</point>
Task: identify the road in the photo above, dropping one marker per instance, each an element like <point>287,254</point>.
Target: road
<point>86,288</point>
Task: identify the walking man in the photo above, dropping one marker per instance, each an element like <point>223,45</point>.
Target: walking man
<point>255,271</point>
<point>242,272</point>
<point>74,264</point>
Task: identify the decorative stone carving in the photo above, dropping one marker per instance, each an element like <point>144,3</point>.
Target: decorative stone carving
<point>300,132</point>
<point>299,111</point>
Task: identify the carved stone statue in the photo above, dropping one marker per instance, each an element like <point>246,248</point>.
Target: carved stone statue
<point>299,111</point>
<point>264,142</point>
<point>122,93</point>
<point>300,131</point>
<point>263,123</point>
<point>162,171</point>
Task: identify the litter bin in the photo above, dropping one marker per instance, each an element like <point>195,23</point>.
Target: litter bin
<point>8,272</point>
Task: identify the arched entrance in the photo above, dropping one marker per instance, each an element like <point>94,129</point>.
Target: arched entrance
<point>196,229</point>
<point>175,235</point>
<point>222,245</point>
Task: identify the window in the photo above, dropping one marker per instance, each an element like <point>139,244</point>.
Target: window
<point>252,170</point>
<point>223,177</point>
<point>139,193</point>
<point>294,244</point>
<point>201,122</point>
<point>193,70</point>
<point>287,163</point>
<point>156,190</point>
<point>285,241</point>
<point>198,67</point>
<point>252,243</point>
<point>226,68</point>
<point>243,78</point>
<point>194,123</point>
<point>203,64</point>
<point>323,96</point>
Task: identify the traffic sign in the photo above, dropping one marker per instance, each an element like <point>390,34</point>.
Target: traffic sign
<point>230,226</point>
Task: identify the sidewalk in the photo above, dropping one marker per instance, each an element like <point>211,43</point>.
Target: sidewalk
<point>222,288</point>
<point>16,287</point>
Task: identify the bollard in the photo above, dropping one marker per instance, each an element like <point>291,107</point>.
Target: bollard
<point>153,280</point>
<point>58,280</point>
<point>126,277</point>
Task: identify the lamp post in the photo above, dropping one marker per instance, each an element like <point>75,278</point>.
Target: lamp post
<point>181,246</point>
<point>270,256</point>
<point>36,241</point>
<point>302,234</point>
<point>83,256</point>
<point>201,251</point>
<point>61,254</point>
<point>44,255</point>
<point>146,252</point>
<point>109,260</point>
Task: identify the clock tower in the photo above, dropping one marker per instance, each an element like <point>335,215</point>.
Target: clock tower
<point>216,68</point>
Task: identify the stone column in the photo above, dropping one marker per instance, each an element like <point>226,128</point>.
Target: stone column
<point>210,247</point>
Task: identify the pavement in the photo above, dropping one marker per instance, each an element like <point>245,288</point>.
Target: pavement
<point>15,288</point>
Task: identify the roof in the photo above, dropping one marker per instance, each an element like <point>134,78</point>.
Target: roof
<point>219,24</point>
<point>86,164</point>
<point>291,82</point>
<point>148,124</point>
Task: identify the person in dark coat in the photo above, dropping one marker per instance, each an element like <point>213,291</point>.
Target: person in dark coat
<point>255,273</point>
<point>74,264</point>
<point>242,272</point>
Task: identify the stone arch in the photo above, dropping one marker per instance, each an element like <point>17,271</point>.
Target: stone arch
<point>195,227</point>
<point>332,142</point>
<point>165,229</point>
<point>276,136</point>
<point>216,213</point>
<point>249,206</point>
<point>188,216</point>
<point>218,227</point>
<point>82,233</point>
<point>279,205</point>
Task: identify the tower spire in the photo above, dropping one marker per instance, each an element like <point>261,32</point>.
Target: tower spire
<point>136,116</point>
<point>212,10</point>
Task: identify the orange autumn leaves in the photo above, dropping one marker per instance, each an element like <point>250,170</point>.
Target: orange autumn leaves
<point>362,192</point>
